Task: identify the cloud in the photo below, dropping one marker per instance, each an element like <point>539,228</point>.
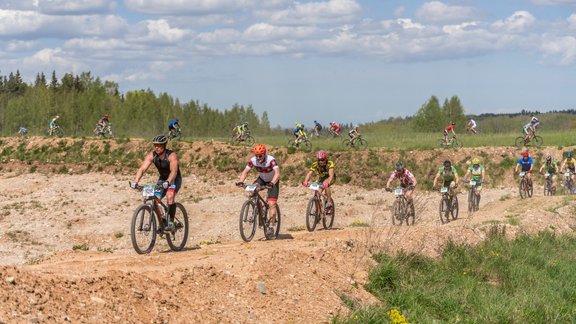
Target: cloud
<point>438,12</point>
<point>76,7</point>
<point>560,50</point>
<point>571,21</point>
<point>519,22</point>
<point>199,7</point>
<point>330,12</point>
<point>554,2</point>
<point>158,32</point>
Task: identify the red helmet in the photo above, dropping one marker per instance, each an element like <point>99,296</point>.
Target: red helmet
<point>259,149</point>
<point>525,154</point>
<point>106,116</point>
<point>322,155</point>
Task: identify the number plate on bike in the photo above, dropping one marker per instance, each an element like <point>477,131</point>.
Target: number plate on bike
<point>148,191</point>
<point>444,190</point>
<point>567,174</point>
<point>547,175</point>
<point>398,192</point>
<point>251,187</point>
<point>522,174</point>
<point>315,186</point>
<point>472,183</point>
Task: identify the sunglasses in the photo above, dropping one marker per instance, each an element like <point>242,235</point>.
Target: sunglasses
<point>259,156</point>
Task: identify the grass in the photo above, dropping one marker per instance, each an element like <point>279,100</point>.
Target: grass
<point>81,247</point>
<point>359,223</point>
<point>526,280</point>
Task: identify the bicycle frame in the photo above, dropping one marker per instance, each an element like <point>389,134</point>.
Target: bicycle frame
<point>153,196</point>
<point>261,203</point>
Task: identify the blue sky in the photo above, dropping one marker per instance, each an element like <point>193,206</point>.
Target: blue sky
<point>343,60</point>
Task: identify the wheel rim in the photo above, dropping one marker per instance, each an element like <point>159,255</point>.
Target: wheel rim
<point>328,218</point>
<point>143,230</point>
<point>248,220</point>
<point>177,240</point>
<point>311,214</point>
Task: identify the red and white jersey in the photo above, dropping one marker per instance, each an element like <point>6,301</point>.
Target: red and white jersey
<point>406,178</point>
<point>266,170</point>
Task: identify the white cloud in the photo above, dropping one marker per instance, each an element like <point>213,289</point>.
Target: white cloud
<point>159,31</point>
<point>75,7</point>
<point>438,12</point>
<point>19,4</point>
<point>572,21</point>
<point>196,7</point>
<point>517,23</point>
<point>559,51</point>
<point>330,12</point>
<point>20,45</point>
<point>219,36</point>
<point>554,2</point>
<point>264,32</point>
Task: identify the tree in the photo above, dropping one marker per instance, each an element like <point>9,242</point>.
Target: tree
<point>453,111</point>
<point>429,117</point>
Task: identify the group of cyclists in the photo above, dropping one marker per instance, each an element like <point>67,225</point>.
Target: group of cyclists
<point>528,130</point>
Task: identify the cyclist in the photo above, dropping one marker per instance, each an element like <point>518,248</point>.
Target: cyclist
<point>299,132</point>
<point>476,173</point>
<point>569,164</point>
<point>450,177</point>
<point>529,129</point>
<point>335,128</point>
<point>527,165</point>
<point>449,128</point>
<point>101,124</point>
<point>325,170</point>
<point>317,128</point>
<point>353,134</point>
<point>170,178</point>
<point>173,128</point>
<point>551,167</point>
<point>240,131</point>
<point>268,176</point>
<point>471,126</point>
<point>23,131</point>
<point>54,124</point>
<point>406,178</point>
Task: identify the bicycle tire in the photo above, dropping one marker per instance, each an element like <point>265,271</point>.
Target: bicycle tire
<point>292,143</point>
<point>455,210</point>
<point>410,214</point>
<point>232,140</point>
<point>519,142</point>
<point>328,219</point>
<point>522,189</point>
<point>537,141</point>
<point>59,132</point>
<point>529,189</point>
<point>456,143</point>
<point>346,144</point>
<point>362,143</point>
<point>397,212</point>
<point>471,200</point>
<point>177,239</point>
<point>306,145</point>
<point>312,214</point>
<point>277,229</point>
<point>143,226</point>
<point>441,144</point>
<point>444,210</point>
<point>248,220</point>
<point>249,140</point>
<point>547,191</point>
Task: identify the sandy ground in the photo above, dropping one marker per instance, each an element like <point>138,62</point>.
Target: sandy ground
<point>299,278</point>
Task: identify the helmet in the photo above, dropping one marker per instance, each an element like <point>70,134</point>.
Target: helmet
<point>399,166</point>
<point>160,139</point>
<point>315,122</point>
<point>452,123</point>
<point>246,123</point>
<point>475,161</point>
<point>321,155</point>
<point>57,117</point>
<point>356,126</point>
<point>177,120</point>
<point>259,149</point>
<point>106,115</point>
<point>569,154</point>
<point>447,164</point>
<point>525,154</point>
<point>333,123</point>
<point>548,157</point>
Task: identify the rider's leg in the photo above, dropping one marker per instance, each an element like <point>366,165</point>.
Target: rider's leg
<point>328,195</point>
<point>272,201</point>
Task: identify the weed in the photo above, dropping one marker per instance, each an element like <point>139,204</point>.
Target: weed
<point>118,235</point>
<point>359,223</point>
<point>106,250</point>
<point>81,247</point>
<point>505,197</point>
<point>297,228</point>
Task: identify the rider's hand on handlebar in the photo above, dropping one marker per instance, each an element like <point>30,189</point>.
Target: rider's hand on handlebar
<point>325,184</point>
<point>239,184</point>
<point>388,189</point>
<point>305,183</point>
<point>411,187</point>
<point>165,185</point>
<point>133,185</point>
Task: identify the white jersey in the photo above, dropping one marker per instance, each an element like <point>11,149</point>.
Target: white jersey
<point>472,123</point>
<point>266,170</point>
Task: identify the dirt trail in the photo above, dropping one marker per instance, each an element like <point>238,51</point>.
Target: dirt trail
<point>302,277</point>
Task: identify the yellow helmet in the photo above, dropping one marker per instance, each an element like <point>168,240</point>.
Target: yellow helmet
<point>475,161</point>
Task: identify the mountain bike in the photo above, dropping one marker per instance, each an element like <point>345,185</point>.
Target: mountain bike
<point>175,133</point>
<point>449,207</point>
<point>332,132</point>
<point>568,183</point>
<point>524,187</point>
<point>149,220</point>
<point>304,143</point>
<point>549,187</point>
<point>453,142</point>
<point>402,209</point>
<point>255,212</point>
<point>56,131</point>
<point>358,142</point>
<point>22,132</point>
<point>533,140</point>
<point>473,196</point>
<point>315,210</point>
<point>104,132</point>
<point>244,139</point>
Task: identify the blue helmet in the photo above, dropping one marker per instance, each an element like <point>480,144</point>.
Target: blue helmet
<point>569,154</point>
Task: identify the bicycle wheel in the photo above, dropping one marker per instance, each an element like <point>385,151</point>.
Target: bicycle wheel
<point>306,145</point>
<point>519,142</point>
<point>177,239</point>
<point>471,202</point>
<point>410,213</point>
<point>546,188</point>
<point>522,189</point>
<point>249,140</point>
<point>312,214</point>
<point>361,143</point>
<point>328,219</point>
<point>456,143</point>
<point>529,189</point>
<point>143,229</point>
<point>441,144</point>
<point>455,210</point>
<point>537,141</point>
<point>274,234</point>
<point>292,143</point>
<point>248,216</point>
<point>397,212</point>
<point>59,132</point>
<point>476,202</point>
<point>346,143</point>
<point>444,210</point>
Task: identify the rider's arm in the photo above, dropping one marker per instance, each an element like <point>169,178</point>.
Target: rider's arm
<point>483,174</point>
<point>276,175</point>
<point>562,166</point>
<point>456,177</point>
<point>435,179</point>
<point>516,167</point>
<point>244,173</point>
<point>531,167</point>
<point>467,175</point>
<point>330,176</point>
<point>145,165</point>
<point>173,159</point>
<point>542,167</point>
<point>308,176</point>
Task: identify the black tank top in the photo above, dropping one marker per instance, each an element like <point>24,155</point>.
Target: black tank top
<point>163,165</point>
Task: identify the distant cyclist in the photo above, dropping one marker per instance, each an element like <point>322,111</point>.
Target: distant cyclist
<point>529,129</point>
<point>173,128</point>
<point>471,126</point>
<point>170,178</point>
<point>526,164</point>
<point>551,167</point>
<point>476,173</point>
<point>406,178</point>
<point>268,176</point>
<point>240,131</point>
<point>23,131</point>
<point>298,132</point>
<point>569,164</point>
<point>325,170</point>
<point>449,175</point>
<point>53,124</point>
<point>335,128</point>
<point>450,128</point>
<point>317,128</point>
<point>101,124</point>
<point>353,134</point>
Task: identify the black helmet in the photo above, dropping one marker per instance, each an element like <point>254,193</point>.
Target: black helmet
<point>160,139</point>
<point>447,164</point>
<point>452,123</point>
<point>548,157</point>
<point>399,166</point>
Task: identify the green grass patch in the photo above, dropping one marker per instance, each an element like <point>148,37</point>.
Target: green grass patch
<point>359,223</point>
<point>526,280</point>
<point>81,247</point>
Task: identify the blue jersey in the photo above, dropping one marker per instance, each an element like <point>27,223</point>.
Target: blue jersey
<point>172,123</point>
<point>526,165</point>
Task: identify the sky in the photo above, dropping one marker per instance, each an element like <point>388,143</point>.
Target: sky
<point>352,61</point>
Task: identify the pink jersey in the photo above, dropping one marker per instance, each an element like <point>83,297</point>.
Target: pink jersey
<point>266,170</point>
<point>406,178</point>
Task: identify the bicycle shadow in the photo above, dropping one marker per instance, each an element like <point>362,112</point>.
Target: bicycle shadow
<point>186,248</point>
<point>280,237</point>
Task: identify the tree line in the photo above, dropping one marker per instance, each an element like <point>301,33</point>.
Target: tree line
<point>81,100</point>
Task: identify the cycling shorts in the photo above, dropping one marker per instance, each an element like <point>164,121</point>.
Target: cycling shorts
<point>273,192</point>
<point>174,186</point>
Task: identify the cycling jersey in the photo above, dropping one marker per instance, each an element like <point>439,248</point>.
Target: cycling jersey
<point>322,170</point>
<point>476,173</point>
<point>550,167</point>
<point>318,126</point>
<point>570,163</point>
<point>534,121</point>
<point>298,131</point>
<point>472,123</point>
<point>450,128</point>
<point>526,164</point>
<point>448,175</point>
<point>266,170</point>
<point>163,166</point>
<point>406,178</point>
<point>173,124</point>
<point>53,122</point>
